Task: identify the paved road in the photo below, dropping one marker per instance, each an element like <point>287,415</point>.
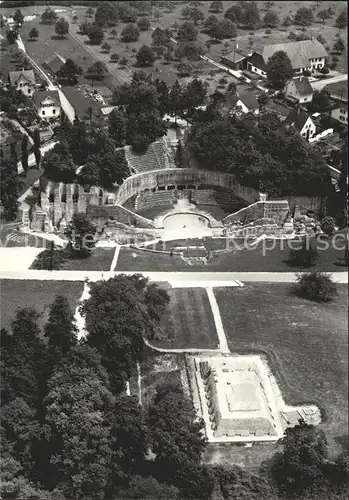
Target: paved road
<point>319,85</point>
<point>199,279</point>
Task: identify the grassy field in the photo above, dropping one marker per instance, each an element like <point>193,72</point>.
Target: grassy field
<point>267,256</point>
<point>306,344</point>
<point>189,321</point>
<point>18,294</point>
<point>99,260</point>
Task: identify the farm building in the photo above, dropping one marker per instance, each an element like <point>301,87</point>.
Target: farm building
<point>54,64</point>
<point>234,60</point>
<point>305,55</point>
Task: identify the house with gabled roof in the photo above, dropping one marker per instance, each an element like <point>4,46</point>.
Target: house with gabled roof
<point>54,64</point>
<point>299,89</point>
<point>302,122</point>
<point>340,113</point>
<point>245,102</point>
<point>48,104</point>
<point>305,55</point>
<point>23,81</point>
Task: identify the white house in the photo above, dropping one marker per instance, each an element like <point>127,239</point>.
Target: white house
<point>48,104</point>
<point>24,81</point>
<point>305,55</point>
<point>302,122</point>
<point>299,88</point>
<point>245,103</point>
<point>340,113</point>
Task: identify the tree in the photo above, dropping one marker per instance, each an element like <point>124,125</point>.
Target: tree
<point>148,488</point>
<point>305,256</point>
<point>106,15</point>
<point>175,431</point>
<point>262,100</point>
<point>49,16</point>
<point>60,329</point>
<point>304,16</point>
<point>118,313</point>
<point>196,15</point>
<point>287,21</point>
<point>69,73</point>
<point>62,27</point>
<point>81,236</point>
<point>179,155</point>
<point>187,32</point>
<point>97,71</point>
<point>18,17</point>
<point>185,12</point>
<point>210,23</point>
<point>114,58</point>
<point>235,13</point>
<point>24,158</point>
<point>36,146</point>
<point>76,417</point>
<point>50,259</point>
<point>143,24</point>
<point>321,39</point>
<point>75,19</point>
<point>270,19</point>
<point>223,29</point>
<point>95,34</point>
<point>130,33</point>
<point>114,33</point>
<point>216,6</point>
<point>123,62</point>
<point>58,164</point>
<point>342,20</point>
<point>9,188</point>
<point>250,17</point>
<point>33,34</point>
<point>328,225</point>
<point>12,36</point>
<point>161,38</point>
<point>315,286</point>
<point>279,69</point>
<point>20,354</point>
<point>189,50</point>
<point>145,56</point>
<point>323,15</point>
<point>339,46</point>
<point>106,47</point>
<point>300,465</point>
<point>321,101</point>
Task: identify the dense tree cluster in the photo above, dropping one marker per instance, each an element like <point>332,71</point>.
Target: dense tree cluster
<point>90,146</point>
<point>244,13</point>
<point>9,188</point>
<point>260,152</point>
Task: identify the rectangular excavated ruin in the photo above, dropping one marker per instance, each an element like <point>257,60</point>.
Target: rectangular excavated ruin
<point>239,400</point>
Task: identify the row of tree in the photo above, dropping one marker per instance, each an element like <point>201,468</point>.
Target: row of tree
<point>69,431</point>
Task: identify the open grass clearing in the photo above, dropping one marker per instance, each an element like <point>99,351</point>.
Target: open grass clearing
<point>306,344</point>
<point>188,322</point>
<point>268,256</point>
<point>19,294</point>
<point>99,260</point>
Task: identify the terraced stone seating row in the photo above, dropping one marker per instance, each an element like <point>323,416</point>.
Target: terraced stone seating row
<point>216,197</point>
<point>148,199</point>
<point>157,156</point>
<point>258,426</point>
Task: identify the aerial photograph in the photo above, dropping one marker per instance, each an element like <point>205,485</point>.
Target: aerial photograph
<point>174,250</point>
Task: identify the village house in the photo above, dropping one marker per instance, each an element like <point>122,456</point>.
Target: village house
<point>48,104</point>
<point>54,64</point>
<point>302,122</point>
<point>299,89</point>
<point>340,113</point>
<point>23,81</point>
<point>245,103</point>
<point>234,60</point>
<point>305,55</point>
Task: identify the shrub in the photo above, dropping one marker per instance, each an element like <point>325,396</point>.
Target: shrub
<point>328,225</point>
<point>325,70</point>
<point>114,57</point>
<point>306,256</point>
<point>315,286</point>
<point>223,81</point>
<point>306,73</point>
<point>268,31</point>
<point>50,259</point>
